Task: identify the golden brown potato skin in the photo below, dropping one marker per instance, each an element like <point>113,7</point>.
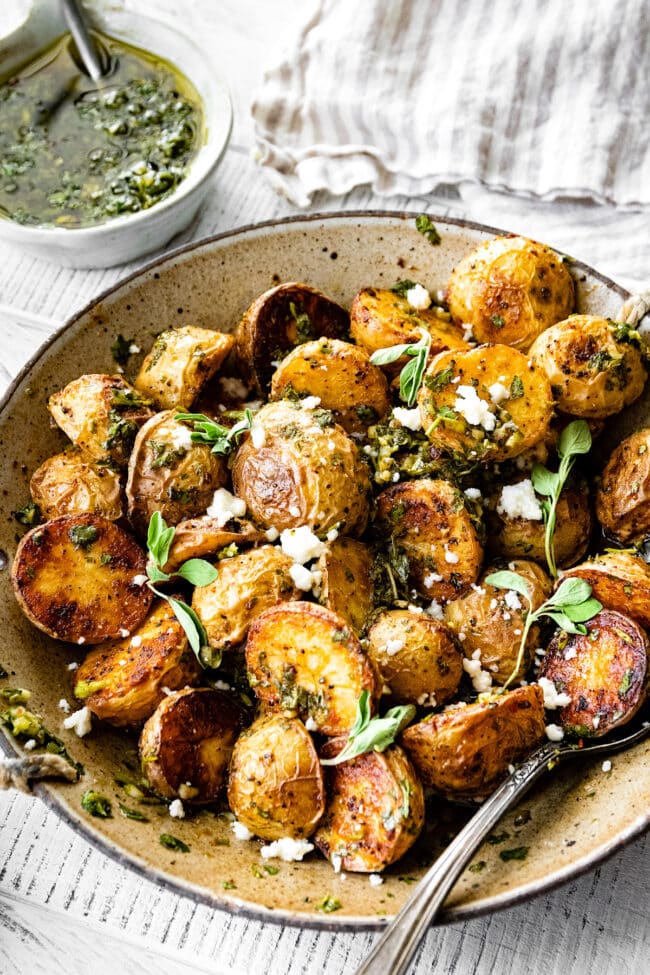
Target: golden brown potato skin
<point>122,683</point>
<point>276,784</point>
<point>510,289</point>
<point>429,523</point>
<point>380,318</point>
<point>604,672</point>
<point>623,495</point>
<point>81,593</point>
<point>305,474</point>
<point>305,661</point>
<point>346,587</point>
<point>179,482</point>
<point>375,810</point>
<point>464,752</point>
<point>180,363</point>
<point>186,745</point>
<point>592,374</point>
<point>619,580</point>
<point>426,668</point>
<point>198,537</point>
<point>343,378</point>
<point>520,421</point>
<point>273,325</point>
<point>101,415</point>
<point>72,484</point>
<point>247,584</point>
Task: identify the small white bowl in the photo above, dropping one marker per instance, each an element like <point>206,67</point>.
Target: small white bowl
<point>128,237</point>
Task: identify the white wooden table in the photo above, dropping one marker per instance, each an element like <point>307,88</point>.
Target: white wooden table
<point>65,909</point>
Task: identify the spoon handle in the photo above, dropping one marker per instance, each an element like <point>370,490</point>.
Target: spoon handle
<point>76,20</point>
<point>395,948</point>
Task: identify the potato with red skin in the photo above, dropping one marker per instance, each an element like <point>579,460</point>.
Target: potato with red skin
<point>71,483</point>
<point>618,580</point>
<point>181,362</point>
<point>623,494</point>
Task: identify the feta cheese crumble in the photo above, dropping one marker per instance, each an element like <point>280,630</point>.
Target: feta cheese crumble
<point>552,698</point>
<point>241,832</point>
<point>498,392</point>
<point>79,721</point>
<point>310,724</point>
<point>473,494</point>
<point>286,849</point>
<point>73,666</point>
<point>271,534</point>
<point>124,633</point>
<point>427,700</point>
<point>301,545</point>
<point>435,610</point>
<point>310,402</point>
<point>392,647</point>
<point>139,580</point>
<point>233,387</point>
<point>430,579</point>
<point>519,501</point>
<point>450,557</point>
<point>408,418</point>
<point>474,409</point>
<point>512,599</point>
<point>176,809</point>
<point>181,437</point>
<point>225,506</point>
<point>258,435</point>
<point>30,745</point>
<point>554,732</point>
<point>65,707</point>
<point>303,579</point>
<point>606,766</point>
<point>136,641</point>
<point>481,679</point>
<point>418,297</point>
<point>375,880</point>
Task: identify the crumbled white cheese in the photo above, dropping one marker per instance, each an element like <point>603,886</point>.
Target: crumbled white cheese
<point>234,387</point>
<point>468,331</point>
<point>294,510</point>
<point>303,579</point>
<point>478,589</point>
<point>606,766</point>
<point>136,641</point>
<point>286,849</point>
<point>258,435</point>
<point>30,745</point>
<point>301,545</point>
<point>512,599</point>
<point>124,633</point>
<point>519,501</point>
<point>310,402</point>
<point>507,616</point>
<point>139,580</point>
<point>435,610</point>
<point>73,666</point>
<point>393,646</point>
<point>570,653</point>
<point>408,418</point>
<point>81,640</point>
<point>336,861</point>
<point>596,720</point>
<point>79,721</point>
<point>554,732</point>
<point>430,579</point>
<point>412,608</point>
<point>332,535</point>
<point>427,700</point>
<point>375,880</point>
<point>176,809</point>
<point>180,437</point>
<point>310,724</point>
<point>271,534</point>
<point>65,707</point>
<point>498,392</point>
<point>481,679</point>
<point>418,297</point>
<point>241,832</point>
<point>395,478</point>
<point>221,685</point>
<point>552,699</point>
<point>473,494</point>
<point>225,506</point>
<point>450,557</point>
<point>475,410</point>
<point>134,349</point>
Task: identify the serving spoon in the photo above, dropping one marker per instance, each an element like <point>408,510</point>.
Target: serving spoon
<point>395,948</point>
<point>89,51</point>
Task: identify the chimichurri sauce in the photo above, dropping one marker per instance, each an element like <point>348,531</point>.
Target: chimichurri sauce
<point>74,152</point>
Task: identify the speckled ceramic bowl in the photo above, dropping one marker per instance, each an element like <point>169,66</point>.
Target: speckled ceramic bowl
<point>572,820</point>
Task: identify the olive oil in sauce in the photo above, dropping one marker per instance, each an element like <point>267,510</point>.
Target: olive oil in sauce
<point>74,152</point>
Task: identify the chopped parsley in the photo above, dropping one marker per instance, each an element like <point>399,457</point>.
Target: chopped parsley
<point>96,804</point>
<point>425,226</point>
<point>498,321</point>
<point>173,843</point>
<point>29,514</point>
<point>82,536</point>
<point>328,904</point>
<point>516,853</point>
<point>516,388</point>
<point>121,350</point>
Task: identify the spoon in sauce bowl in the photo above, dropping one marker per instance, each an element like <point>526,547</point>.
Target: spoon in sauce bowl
<point>95,62</point>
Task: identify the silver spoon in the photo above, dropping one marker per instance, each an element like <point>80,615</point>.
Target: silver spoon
<point>87,47</point>
<point>395,948</point>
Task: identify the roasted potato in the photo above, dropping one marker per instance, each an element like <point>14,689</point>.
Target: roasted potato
<point>80,579</point>
<point>346,587</point>
<point>247,584</point>
<point>510,289</point>
<point>604,672</point>
<point>73,484</point>
<point>595,366</point>
<point>417,657</point>
<point>492,620</point>
<point>279,320</point>
<point>170,474</point>
<point>186,745</point>
<point>375,810</point>
<point>305,661</point>
<point>276,784</point>
<point>430,526</point>
<point>180,363</point>
<point>197,537</point>
<point>101,414</point>
<point>306,473</point>
<point>619,580</point>
<point>487,404</point>
<point>122,683</point>
<point>464,752</point>
<point>342,377</point>
<point>623,495</point>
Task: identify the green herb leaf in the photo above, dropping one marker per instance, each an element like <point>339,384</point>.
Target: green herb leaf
<point>173,843</point>
<point>575,439</point>
<point>15,695</point>
<point>509,580</point>
<point>544,481</point>
<point>155,574</point>
<point>29,514</point>
<point>401,287</point>
<point>517,853</point>
<point>383,357</point>
<point>372,734</point>
<point>132,814</point>
<point>329,904</point>
<point>191,624</point>
<point>570,592</point>
<point>96,804</point>
<point>425,226</point>
<point>516,388</point>
<point>198,572</point>
<point>159,539</point>
<point>121,350</point>
<point>498,321</point>
<point>82,536</point>
<point>207,431</point>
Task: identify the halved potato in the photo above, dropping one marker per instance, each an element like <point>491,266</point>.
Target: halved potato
<point>247,584</point>
<point>346,587</point>
<point>431,527</point>
<point>380,318</point>
<point>180,363</point>
<point>604,672</point>
<point>170,474</point>
<point>80,579</point>
<point>101,414</point>
<point>487,404</point>
<point>342,377</point>
<point>122,683</point>
<point>276,784</point>
<point>198,537</point>
<point>279,320</point>
<point>375,810</point>
<point>619,580</point>
<point>510,289</point>
<point>305,661</point>
<point>71,483</point>
<point>623,495</point>
<point>417,657</point>
<point>186,745</point>
<point>464,752</point>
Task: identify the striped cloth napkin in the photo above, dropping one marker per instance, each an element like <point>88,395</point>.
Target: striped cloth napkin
<point>543,98</point>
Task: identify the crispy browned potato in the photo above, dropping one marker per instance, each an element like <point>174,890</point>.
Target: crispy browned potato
<point>491,621</point>
<point>180,363</point>
<point>346,587</point>
<point>305,661</point>
<point>170,474</point>
<point>186,745</point>
<point>595,366</point>
<point>122,683</point>
<point>101,414</point>
<point>417,657</point>
<point>464,752</point>
<point>279,320</point>
<point>623,495</point>
<point>72,484</point>
<point>375,810</point>
<point>305,473</point>
<point>342,377</point>
<point>431,527</point>
<point>247,584</point>
<point>198,537</point>
<point>510,289</point>
<point>604,672</point>
<point>276,784</point>
<point>619,580</point>
<point>487,404</point>
<point>80,579</point>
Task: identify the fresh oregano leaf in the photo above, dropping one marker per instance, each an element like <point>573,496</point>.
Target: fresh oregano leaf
<point>372,734</point>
